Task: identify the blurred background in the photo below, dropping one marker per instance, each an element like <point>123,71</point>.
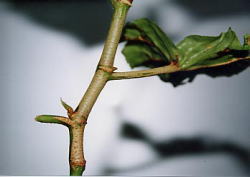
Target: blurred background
<point>49,50</point>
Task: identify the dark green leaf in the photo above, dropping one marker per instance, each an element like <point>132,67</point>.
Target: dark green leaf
<point>141,55</point>
<point>148,32</point>
<point>199,49</point>
<point>147,45</point>
<point>132,34</point>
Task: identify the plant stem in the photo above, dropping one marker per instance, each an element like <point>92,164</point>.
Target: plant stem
<point>106,62</point>
<point>163,70</point>
<point>144,73</point>
<point>104,69</point>
<point>76,157</point>
<point>114,34</point>
<point>104,72</point>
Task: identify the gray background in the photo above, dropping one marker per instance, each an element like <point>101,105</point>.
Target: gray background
<point>49,50</point>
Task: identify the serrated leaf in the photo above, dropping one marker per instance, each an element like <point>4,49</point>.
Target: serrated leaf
<point>148,32</point>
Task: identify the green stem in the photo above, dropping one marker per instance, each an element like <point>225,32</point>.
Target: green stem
<point>77,171</point>
<point>100,78</point>
<point>114,34</point>
<point>163,70</point>
<point>144,73</point>
<point>76,157</point>
<point>107,59</point>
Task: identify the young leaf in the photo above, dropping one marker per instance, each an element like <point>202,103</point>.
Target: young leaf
<point>51,119</point>
<point>48,119</point>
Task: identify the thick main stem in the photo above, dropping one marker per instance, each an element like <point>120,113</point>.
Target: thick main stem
<point>114,34</point>
<point>101,76</point>
<point>107,59</point>
<point>76,157</point>
<point>97,84</point>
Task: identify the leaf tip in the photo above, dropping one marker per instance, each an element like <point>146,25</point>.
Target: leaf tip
<point>42,118</point>
<point>37,118</point>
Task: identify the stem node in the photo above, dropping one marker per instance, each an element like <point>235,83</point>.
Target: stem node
<point>127,2</point>
<point>109,69</point>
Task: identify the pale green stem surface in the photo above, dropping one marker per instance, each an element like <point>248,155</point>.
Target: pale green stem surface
<point>163,70</point>
<point>104,69</point>
<point>104,72</point>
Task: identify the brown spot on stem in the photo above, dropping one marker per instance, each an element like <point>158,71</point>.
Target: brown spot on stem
<point>78,163</point>
<point>108,69</point>
<point>175,62</point>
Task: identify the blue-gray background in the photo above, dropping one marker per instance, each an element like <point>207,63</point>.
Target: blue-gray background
<point>50,49</point>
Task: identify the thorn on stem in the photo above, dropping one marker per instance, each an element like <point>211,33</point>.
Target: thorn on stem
<point>69,109</point>
<point>127,2</point>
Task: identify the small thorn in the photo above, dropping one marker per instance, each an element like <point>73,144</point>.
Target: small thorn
<point>127,2</point>
<point>69,109</point>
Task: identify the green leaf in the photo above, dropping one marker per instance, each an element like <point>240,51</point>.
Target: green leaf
<point>146,31</point>
<point>132,34</point>
<point>147,45</point>
<point>141,55</point>
<point>199,49</point>
<point>49,119</point>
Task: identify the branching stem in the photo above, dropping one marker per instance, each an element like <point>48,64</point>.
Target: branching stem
<point>77,118</point>
<point>104,69</point>
<point>163,70</point>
